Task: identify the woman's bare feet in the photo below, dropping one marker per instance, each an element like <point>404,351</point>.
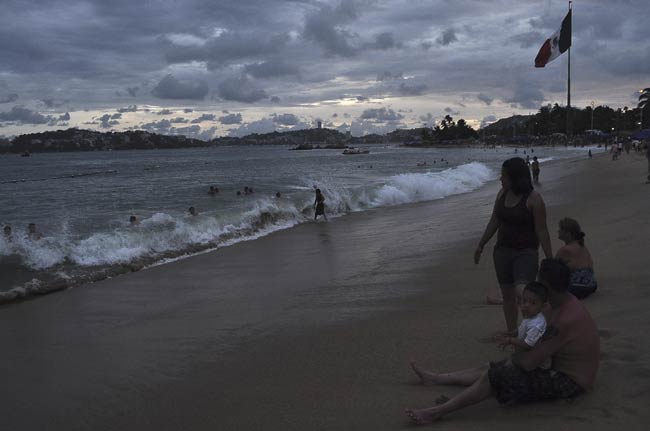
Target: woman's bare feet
<point>427,378</point>
<point>424,416</point>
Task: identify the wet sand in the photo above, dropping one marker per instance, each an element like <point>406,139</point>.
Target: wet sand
<point>313,328</point>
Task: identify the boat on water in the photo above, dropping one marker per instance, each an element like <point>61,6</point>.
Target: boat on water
<point>351,150</point>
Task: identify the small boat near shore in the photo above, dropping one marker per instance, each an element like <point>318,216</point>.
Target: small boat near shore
<point>351,150</point>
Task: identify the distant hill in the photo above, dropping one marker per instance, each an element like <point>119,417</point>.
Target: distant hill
<point>89,140</point>
<point>74,139</point>
<point>516,123</point>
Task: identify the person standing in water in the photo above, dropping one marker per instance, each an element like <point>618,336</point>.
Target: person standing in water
<point>319,205</point>
<point>535,169</point>
<point>519,217</point>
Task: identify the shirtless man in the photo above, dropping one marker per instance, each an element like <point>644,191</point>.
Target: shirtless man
<point>571,341</point>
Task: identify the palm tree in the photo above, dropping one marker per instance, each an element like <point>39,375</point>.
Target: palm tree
<point>644,101</point>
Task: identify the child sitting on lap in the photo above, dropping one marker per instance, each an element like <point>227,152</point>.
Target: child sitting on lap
<point>533,325</point>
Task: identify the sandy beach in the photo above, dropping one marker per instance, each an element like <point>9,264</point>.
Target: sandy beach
<point>312,328</point>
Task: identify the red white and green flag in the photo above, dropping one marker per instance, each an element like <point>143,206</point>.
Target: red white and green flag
<point>555,45</point>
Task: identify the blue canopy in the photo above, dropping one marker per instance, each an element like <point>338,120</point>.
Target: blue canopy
<point>642,134</point>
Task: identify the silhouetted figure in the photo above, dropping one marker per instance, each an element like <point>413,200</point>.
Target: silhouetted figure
<point>319,205</point>
<point>32,232</point>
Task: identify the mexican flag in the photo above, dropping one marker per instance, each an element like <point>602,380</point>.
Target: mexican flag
<point>559,42</point>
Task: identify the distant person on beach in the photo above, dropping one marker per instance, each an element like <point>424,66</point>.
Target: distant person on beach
<point>7,232</point>
<point>590,156</point>
<point>577,257</point>
<point>134,220</point>
<point>192,211</point>
<point>32,232</point>
<point>571,342</point>
<point>238,193</point>
<point>319,205</point>
<point>535,169</point>
<point>277,194</point>
<point>519,216</point>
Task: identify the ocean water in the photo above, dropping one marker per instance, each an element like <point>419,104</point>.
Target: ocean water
<point>81,202</point>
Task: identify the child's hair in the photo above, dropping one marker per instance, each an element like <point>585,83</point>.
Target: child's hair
<point>538,289</point>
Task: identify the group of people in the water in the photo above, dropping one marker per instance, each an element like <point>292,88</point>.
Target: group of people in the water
<point>557,342</point>
<point>212,191</point>
<point>32,232</point>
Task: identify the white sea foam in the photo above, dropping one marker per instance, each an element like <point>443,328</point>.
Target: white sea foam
<point>161,232</point>
<point>407,188</point>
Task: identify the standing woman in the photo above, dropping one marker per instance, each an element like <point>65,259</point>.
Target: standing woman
<point>519,216</point>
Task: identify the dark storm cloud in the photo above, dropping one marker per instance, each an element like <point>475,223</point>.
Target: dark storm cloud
<point>240,89</point>
<point>388,75</point>
<point>411,89</point>
<point>9,98</point>
<point>172,88</point>
<point>23,115</point>
<point>285,119</point>
<point>383,41</point>
<point>529,39</point>
<point>381,114</point>
<point>226,47</point>
<point>307,52</point>
<point>270,69</point>
<point>61,121</point>
<point>133,91</point>
<point>265,125</point>
<point>130,108</point>
<point>526,95</point>
<point>485,98</point>
<point>450,111</point>
<point>106,121</point>
<point>231,119</point>
<point>325,27</point>
<point>52,103</point>
<point>204,117</point>
<point>447,37</point>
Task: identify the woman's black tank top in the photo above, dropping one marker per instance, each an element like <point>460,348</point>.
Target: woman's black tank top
<point>516,225</point>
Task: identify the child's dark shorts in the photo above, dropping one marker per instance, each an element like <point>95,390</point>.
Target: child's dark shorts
<point>511,384</point>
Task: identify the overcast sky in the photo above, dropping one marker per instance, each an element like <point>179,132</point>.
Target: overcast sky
<point>208,68</point>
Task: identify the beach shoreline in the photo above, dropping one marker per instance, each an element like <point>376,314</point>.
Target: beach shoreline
<point>120,359</point>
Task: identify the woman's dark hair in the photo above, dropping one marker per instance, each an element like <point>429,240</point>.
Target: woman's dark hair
<point>538,289</point>
<point>572,227</point>
<point>517,171</point>
<point>556,273</point>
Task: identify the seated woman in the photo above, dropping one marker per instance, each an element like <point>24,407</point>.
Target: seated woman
<point>577,257</point>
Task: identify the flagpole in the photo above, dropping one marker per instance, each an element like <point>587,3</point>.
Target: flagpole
<point>568,87</point>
